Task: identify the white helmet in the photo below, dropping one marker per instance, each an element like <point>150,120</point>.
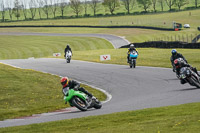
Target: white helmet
<point>132,46</point>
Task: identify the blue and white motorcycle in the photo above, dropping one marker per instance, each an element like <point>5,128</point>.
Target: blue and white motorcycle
<point>132,59</point>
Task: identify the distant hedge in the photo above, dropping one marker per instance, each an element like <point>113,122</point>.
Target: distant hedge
<point>89,26</point>
<point>164,44</point>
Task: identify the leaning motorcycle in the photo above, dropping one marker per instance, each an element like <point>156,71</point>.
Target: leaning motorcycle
<point>68,56</point>
<point>80,100</point>
<point>190,76</point>
<point>132,59</point>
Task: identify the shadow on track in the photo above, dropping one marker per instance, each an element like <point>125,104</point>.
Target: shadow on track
<point>189,89</point>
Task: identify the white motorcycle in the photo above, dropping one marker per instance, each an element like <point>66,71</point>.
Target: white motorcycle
<point>68,56</point>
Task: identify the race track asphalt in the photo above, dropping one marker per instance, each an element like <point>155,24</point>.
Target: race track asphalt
<point>131,89</point>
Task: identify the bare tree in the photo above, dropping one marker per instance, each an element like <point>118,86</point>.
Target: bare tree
<point>128,4</point>
<point>154,5</point>
<point>2,9</point>
<point>33,6</point>
<point>10,10</point>
<point>161,4</point>
<point>76,6</point>
<point>111,4</point>
<point>145,3</point>
<point>46,8</point>
<point>170,3</point>
<point>196,3</point>
<point>94,5</point>
<point>63,5</point>
<point>54,6</point>
<point>16,9</point>
<point>40,6</point>
<point>85,6</point>
<point>181,3</point>
<point>24,8</point>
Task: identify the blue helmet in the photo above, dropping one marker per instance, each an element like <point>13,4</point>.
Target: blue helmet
<point>174,51</point>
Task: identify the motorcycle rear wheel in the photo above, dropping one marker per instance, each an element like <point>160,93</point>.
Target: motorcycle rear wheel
<point>97,105</point>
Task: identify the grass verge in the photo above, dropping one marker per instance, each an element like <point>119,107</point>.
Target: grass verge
<point>26,92</point>
<point>173,119</point>
<point>147,56</point>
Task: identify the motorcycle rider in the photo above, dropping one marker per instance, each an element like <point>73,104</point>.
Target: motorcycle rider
<point>176,55</point>
<point>72,84</point>
<point>179,63</point>
<point>132,48</point>
<point>66,49</point>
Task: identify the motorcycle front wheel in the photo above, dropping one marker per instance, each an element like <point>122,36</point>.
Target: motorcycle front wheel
<point>68,60</point>
<point>79,103</point>
<point>195,82</point>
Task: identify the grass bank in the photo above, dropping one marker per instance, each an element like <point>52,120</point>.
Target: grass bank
<point>20,47</point>
<point>27,92</point>
<point>175,119</point>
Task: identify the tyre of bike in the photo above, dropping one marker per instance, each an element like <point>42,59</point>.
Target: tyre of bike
<point>195,81</point>
<point>79,103</point>
<point>97,105</point>
<point>134,63</point>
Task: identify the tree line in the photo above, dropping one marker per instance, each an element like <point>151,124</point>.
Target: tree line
<point>24,7</point>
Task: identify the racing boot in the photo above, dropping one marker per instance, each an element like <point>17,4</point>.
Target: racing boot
<point>128,61</point>
<point>94,98</point>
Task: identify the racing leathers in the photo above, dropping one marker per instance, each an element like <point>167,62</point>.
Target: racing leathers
<point>66,49</point>
<point>76,86</point>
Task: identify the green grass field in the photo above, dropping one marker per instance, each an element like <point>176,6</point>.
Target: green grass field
<point>156,20</point>
<point>173,119</point>
<point>16,47</point>
<point>27,92</point>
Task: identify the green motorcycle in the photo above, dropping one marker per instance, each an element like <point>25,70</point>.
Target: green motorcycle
<point>80,100</point>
